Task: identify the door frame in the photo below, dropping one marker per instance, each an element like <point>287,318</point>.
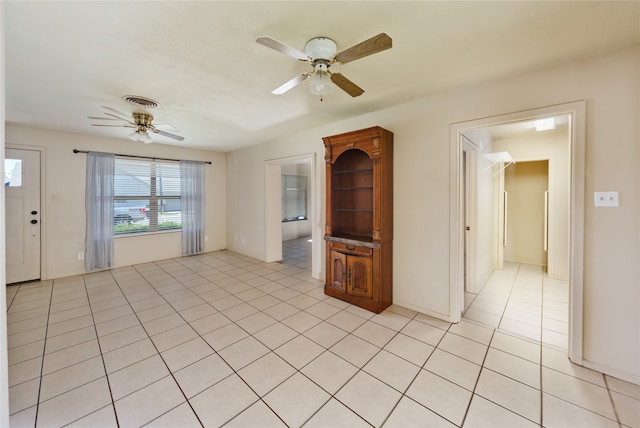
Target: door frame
<point>577,112</point>
<point>43,207</point>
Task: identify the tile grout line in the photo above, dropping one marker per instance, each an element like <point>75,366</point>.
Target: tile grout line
<point>194,270</point>
<point>360,369</point>
<point>506,304</point>
<point>516,335</point>
<point>613,404</point>
<point>404,393</point>
<point>234,371</point>
<point>44,347</point>
<point>422,367</point>
<point>475,385</point>
<point>113,404</point>
<point>296,369</point>
<point>155,346</point>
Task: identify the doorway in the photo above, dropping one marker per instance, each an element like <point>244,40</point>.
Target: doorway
<point>526,214</point>
<point>290,226</point>
<point>22,215</point>
<point>570,253</point>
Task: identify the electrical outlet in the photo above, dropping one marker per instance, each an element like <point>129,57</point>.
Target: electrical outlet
<point>206,239</point>
<point>80,255</point>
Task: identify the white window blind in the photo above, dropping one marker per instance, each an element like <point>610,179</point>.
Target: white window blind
<point>294,197</point>
<point>146,196</point>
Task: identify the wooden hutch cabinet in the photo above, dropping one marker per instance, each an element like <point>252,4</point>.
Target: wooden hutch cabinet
<point>359,225</point>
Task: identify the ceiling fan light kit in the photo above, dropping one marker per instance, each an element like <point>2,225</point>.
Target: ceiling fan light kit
<point>140,136</point>
<point>321,53</point>
<point>320,82</point>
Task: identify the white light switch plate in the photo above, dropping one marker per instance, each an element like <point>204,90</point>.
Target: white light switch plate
<point>606,199</point>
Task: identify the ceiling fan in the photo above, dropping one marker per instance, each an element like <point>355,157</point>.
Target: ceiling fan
<point>321,53</point>
<point>141,122</point>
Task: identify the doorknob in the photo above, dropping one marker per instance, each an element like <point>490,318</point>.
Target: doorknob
<point>34,212</point>
<point>34,221</point>
<point>468,227</point>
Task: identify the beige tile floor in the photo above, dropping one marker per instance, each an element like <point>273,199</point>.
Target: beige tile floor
<point>221,339</point>
<point>522,299</point>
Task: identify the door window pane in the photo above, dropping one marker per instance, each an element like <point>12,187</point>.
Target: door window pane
<point>13,172</point>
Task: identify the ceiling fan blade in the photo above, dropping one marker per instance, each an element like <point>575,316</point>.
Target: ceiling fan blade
<point>165,133</point>
<point>291,84</point>
<point>116,126</point>
<point>346,85</point>
<point>121,114</point>
<point>164,126</point>
<point>272,43</point>
<point>373,45</point>
<point>120,118</point>
<point>102,118</point>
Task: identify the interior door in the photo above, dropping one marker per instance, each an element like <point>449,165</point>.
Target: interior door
<point>22,217</point>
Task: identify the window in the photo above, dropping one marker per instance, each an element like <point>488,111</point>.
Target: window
<point>13,172</point>
<point>294,197</point>
<point>146,196</point>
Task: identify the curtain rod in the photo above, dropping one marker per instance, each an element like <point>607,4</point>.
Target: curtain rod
<point>138,157</point>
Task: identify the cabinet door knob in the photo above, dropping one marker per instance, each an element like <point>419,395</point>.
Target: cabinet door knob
<point>34,221</point>
<point>34,212</point>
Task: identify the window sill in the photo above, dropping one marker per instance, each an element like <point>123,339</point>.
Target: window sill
<point>157,232</point>
<point>294,219</point>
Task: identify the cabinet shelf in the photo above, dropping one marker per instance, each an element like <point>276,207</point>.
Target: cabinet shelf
<point>354,188</point>
<point>353,171</point>
<point>352,210</point>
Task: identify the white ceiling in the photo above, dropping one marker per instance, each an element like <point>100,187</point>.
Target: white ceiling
<point>526,128</point>
<point>199,59</point>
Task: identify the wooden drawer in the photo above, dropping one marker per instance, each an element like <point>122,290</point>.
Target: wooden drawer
<point>351,249</point>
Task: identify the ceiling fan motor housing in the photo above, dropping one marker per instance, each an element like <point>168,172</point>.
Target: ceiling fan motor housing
<point>321,48</point>
<point>142,119</point>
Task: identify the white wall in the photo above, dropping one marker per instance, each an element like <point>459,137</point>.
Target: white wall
<point>63,221</point>
<point>608,83</point>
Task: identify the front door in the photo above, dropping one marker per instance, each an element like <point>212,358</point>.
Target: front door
<point>22,205</point>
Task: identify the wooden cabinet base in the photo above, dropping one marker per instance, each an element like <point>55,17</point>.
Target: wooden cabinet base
<point>359,272</point>
<point>368,304</point>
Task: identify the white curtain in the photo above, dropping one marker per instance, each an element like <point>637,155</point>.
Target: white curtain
<point>99,209</point>
<point>192,200</point>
